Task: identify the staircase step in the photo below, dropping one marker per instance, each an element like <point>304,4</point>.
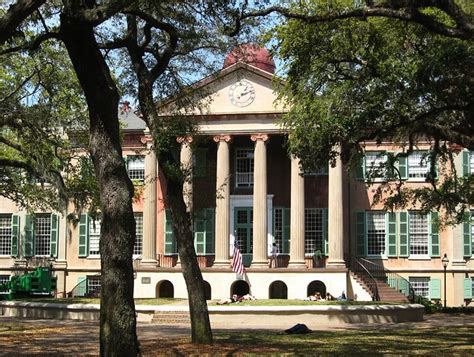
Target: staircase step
<point>385,291</point>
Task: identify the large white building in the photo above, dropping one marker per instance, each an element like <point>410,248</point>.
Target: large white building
<point>246,188</point>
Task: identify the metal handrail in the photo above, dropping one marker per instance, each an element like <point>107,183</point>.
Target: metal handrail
<point>394,280</point>
<point>371,285</point>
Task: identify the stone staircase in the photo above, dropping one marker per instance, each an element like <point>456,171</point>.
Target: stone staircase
<point>171,317</point>
<point>385,291</point>
<point>372,277</point>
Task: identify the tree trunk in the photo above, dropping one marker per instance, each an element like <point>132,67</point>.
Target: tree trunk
<point>182,225</point>
<point>117,310</point>
<point>182,220</point>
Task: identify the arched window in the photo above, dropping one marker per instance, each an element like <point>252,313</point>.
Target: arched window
<point>316,286</point>
<point>240,288</point>
<point>278,290</point>
<point>164,289</point>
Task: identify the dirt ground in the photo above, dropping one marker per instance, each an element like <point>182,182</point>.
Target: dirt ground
<point>27,337</point>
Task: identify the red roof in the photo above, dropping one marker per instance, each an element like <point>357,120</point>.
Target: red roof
<point>253,55</point>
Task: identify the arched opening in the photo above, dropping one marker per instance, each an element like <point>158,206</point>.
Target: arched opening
<point>240,288</point>
<point>316,286</point>
<point>164,289</point>
<point>278,290</point>
<point>207,290</point>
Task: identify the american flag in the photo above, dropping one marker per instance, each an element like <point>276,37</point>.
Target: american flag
<point>237,264</point>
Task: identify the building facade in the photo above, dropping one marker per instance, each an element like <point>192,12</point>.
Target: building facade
<point>246,189</point>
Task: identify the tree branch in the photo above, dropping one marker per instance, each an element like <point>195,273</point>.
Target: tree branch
<point>15,15</point>
<point>401,10</point>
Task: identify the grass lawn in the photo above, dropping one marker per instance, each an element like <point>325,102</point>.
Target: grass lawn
<point>171,301</point>
<point>450,341</point>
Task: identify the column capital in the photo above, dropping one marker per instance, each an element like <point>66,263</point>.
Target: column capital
<point>181,139</point>
<point>226,138</point>
<point>259,136</point>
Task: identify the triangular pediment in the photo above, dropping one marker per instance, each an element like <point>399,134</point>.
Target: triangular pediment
<point>237,89</point>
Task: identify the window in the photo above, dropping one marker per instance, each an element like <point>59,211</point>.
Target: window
<point>138,248</point>
<point>418,165</point>
<point>472,233</point>
<point>472,285</point>
<point>93,284</point>
<point>319,171</point>
<point>281,229</point>
<point>42,234</point>
<point>421,286</point>
<point>419,232</point>
<point>313,235</point>
<point>375,164</point>
<point>136,168</point>
<point>5,234</point>
<point>244,168</point>
<point>94,237</point>
<point>375,233</point>
<point>4,279</point>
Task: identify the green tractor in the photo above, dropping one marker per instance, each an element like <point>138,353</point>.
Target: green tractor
<point>39,282</point>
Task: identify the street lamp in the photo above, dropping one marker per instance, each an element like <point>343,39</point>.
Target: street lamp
<point>445,262</point>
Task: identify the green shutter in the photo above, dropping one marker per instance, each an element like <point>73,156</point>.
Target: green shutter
<point>467,234</point>
<point>361,237</point>
<point>285,241</point>
<point>325,232</point>
<point>199,232</point>
<point>170,242</point>
<point>403,167</point>
<point>435,289</point>
<point>465,163</point>
<point>15,234</point>
<point>434,235</point>
<point>29,236</point>
<point>53,243</point>
<point>81,287</point>
<point>467,289</point>
<point>84,236</point>
<point>404,243</point>
<point>391,219</point>
<point>404,287</point>
<point>360,169</point>
<point>210,227</point>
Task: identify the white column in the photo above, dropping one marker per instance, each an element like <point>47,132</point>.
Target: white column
<point>260,251</point>
<point>222,219</point>
<point>297,227</point>
<point>149,207</point>
<point>336,215</point>
<point>186,158</point>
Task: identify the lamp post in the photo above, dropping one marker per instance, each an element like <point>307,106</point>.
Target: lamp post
<point>445,262</point>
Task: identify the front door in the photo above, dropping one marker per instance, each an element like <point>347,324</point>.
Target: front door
<point>243,224</point>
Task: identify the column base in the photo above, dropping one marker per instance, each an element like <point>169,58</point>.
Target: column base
<point>221,264</point>
<point>149,263</point>
<point>336,263</point>
<point>259,265</point>
<point>20,263</point>
<point>297,265</point>
<point>60,265</point>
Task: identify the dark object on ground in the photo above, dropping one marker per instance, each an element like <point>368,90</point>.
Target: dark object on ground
<point>298,329</point>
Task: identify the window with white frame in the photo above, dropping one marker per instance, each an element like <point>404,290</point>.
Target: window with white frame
<point>472,232</point>
<point>42,234</point>
<point>418,165</point>
<point>419,232</point>
<point>136,167</point>
<point>376,233</point>
<point>244,165</point>
<point>313,235</point>
<point>4,279</point>
<point>138,248</point>
<point>421,286</point>
<point>93,283</point>
<point>94,237</point>
<point>472,284</point>
<point>5,234</point>
<point>375,164</point>
<point>471,162</point>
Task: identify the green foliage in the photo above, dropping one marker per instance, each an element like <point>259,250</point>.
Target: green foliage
<point>351,81</point>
